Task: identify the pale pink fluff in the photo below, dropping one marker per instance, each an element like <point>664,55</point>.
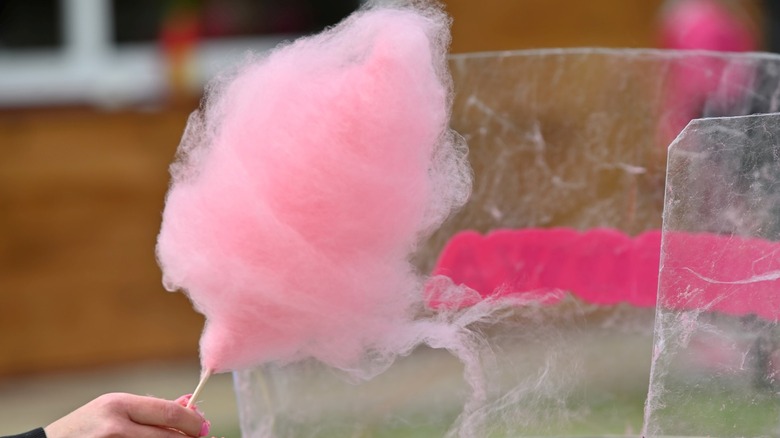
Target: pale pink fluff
<point>303,186</point>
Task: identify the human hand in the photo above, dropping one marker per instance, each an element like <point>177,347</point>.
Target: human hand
<point>125,415</point>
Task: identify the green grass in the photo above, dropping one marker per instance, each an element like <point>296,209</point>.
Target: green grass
<point>712,414</point>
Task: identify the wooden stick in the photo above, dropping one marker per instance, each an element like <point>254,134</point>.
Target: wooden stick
<point>203,378</point>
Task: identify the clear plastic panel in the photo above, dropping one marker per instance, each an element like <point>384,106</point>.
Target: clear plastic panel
<point>558,138</point>
<point>716,365</point>
<point>569,370</point>
<point>578,137</point>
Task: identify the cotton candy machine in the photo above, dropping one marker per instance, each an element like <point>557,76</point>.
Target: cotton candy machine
<point>578,139</point>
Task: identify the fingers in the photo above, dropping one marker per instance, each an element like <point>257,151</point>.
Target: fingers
<point>165,414</point>
<point>184,401</point>
<point>138,430</point>
<point>126,415</point>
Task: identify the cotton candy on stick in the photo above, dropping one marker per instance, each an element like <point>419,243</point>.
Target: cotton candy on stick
<point>302,187</point>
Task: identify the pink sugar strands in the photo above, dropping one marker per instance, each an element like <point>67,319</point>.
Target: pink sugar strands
<point>303,185</point>
<point>600,266</point>
<point>728,274</point>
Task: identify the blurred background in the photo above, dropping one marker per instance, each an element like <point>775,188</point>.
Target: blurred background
<point>94,95</point>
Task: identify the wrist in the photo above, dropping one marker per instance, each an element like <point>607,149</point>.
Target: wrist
<point>35,433</point>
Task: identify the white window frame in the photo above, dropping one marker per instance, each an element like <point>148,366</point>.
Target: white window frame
<point>90,68</point>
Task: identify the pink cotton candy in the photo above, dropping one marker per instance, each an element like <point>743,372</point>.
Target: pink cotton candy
<point>600,266</point>
<point>304,184</point>
<point>728,274</point>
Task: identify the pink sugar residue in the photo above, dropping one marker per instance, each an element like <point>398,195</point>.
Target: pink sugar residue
<point>728,274</point>
<point>601,266</point>
<point>304,184</point>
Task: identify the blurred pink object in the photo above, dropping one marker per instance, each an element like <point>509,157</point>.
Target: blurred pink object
<point>700,86</point>
<point>305,185</point>
<point>704,25</point>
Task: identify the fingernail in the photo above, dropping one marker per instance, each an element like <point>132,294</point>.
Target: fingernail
<point>204,429</point>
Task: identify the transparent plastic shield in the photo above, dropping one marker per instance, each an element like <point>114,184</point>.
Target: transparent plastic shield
<point>568,370</point>
<point>557,138</point>
<point>578,137</point>
<point>717,351</point>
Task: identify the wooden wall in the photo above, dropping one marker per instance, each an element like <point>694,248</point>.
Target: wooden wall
<point>523,24</point>
<point>81,192</point>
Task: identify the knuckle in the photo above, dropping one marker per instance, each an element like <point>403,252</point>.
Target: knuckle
<point>171,414</point>
<point>111,402</point>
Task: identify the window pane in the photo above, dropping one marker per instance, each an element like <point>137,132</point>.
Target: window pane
<point>137,20</point>
<point>142,20</point>
<point>26,24</point>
